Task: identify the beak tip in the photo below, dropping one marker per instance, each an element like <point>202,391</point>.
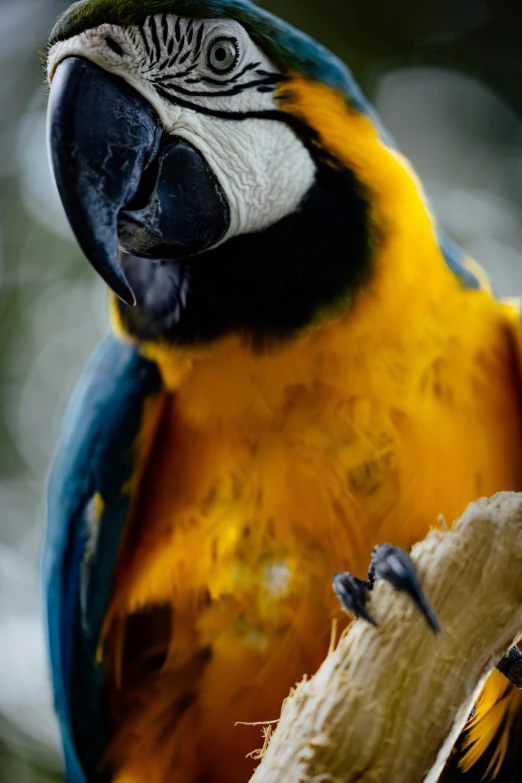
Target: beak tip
<point>124,292</point>
<point>100,134</point>
<point>129,300</point>
<point>109,269</point>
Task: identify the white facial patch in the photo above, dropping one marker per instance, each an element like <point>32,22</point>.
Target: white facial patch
<point>210,84</point>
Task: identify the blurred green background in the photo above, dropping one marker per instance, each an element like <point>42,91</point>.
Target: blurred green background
<point>446,77</point>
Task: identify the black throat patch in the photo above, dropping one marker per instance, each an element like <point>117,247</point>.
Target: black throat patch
<point>265,286</point>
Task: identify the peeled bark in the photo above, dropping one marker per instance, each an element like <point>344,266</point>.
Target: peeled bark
<point>388,703</point>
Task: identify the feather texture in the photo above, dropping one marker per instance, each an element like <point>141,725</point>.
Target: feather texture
<point>272,470</point>
<point>88,502</point>
<point>260,473</point>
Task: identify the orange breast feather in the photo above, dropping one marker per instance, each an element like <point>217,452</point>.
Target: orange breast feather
<point>271,471</point>
<point>268,474</point>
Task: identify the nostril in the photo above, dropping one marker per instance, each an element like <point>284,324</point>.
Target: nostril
<point>149,177</point>
<point>116,48</point>
<point>146,187</point>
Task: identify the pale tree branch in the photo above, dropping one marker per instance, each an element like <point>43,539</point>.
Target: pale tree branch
<point>387,704</point>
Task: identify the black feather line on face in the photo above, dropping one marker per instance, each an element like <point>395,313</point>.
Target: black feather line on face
<point>168,76</point>
<point>248,67</point>
<point>173,60</point>
<point>165,28</point>
<point>199,39</point>
<point>141,28</point>
<point>235,90</point>
<point>262,72</point>
<point>299,127</point>
<point>155,39</point>
<point>190,32</point>
<point>269,75</point>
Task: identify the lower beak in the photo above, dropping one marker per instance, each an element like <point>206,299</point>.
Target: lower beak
<point>123,182</point>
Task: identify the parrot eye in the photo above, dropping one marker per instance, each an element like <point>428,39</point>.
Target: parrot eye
<point>223,54</point>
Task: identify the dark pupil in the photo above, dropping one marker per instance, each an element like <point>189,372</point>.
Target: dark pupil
<point>221,54</point>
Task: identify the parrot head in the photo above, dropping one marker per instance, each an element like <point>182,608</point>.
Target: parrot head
<point>195,180</point>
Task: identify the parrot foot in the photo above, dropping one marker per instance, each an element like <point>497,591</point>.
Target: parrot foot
<point>396,567</point>
<point>511,666</point>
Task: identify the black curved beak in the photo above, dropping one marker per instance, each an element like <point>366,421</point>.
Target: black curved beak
<point>123,182</point>
<point>101,136</point>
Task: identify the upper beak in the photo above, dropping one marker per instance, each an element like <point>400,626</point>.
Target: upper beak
<point>101,136</point>
<point>123,182</point>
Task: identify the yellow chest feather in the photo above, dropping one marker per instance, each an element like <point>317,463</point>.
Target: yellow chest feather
<point>362,429</point>
<point>271,472</point>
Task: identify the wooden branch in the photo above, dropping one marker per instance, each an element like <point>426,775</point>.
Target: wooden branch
<point>388,703</point>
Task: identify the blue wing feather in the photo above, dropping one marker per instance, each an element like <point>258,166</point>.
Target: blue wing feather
<point>95,455</point>
<point>454,258</point>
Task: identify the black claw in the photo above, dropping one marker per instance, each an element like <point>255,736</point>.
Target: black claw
<point>352,594</point>
<point>395,566</point>
<point>511,666</point>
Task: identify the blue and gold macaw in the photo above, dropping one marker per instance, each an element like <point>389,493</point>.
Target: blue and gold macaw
<point>301,368</point>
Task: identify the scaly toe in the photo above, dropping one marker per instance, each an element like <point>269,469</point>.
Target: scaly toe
<point>352,594</point>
